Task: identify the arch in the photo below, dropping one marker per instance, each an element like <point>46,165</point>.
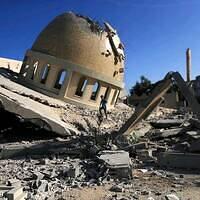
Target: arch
<point>35,66</point>
<point>60,79</point>
<point>95,91</point>
<point>45,73</point>
<point>81,86</point>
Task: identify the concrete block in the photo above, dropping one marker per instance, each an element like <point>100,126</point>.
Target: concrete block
<point>141,145</point>
<point>118,163</point>
<point>14,183</point>
<point>179,160</point>
<point>167,123</point>
<point>12,193</point>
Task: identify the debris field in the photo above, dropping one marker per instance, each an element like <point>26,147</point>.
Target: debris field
<point>160,159</point>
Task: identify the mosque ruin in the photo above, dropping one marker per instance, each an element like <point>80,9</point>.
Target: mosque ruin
<point>76,60</point>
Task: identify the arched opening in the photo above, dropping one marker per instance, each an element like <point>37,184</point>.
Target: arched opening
<point>81,86</point>
<point>114,96</point>
<point>45,73</point>
<point>35,66</point>
<point>95,91</point>
<point>60,79</point>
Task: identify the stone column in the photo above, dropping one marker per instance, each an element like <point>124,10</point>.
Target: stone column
<point>88,90</point>
<point>29,70</point>
<point>52,76</point>
<point>37,77</point>
<point>66,83</point>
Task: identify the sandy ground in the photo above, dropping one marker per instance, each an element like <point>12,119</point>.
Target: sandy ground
<point>142,187</point>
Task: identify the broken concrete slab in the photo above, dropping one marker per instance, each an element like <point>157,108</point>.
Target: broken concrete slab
<point>166,123</point>
<point>171,197</point>
<point>38,148</point>
<point>14,182</point>
<point>43,187</point>
<point>12,193</point>
<point>179,160</point>
<point>193,134</point>
<point>37,113</point>
<point>118,163</point>
<point>72,171</point>
<point>140,145</point>
<point>160,133</point>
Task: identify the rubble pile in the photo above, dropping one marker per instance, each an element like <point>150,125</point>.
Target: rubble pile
<point>56,176</point>
<point>55,168</point>
<point>49,177</point>
<point>87,121</point>
<point>90,158</point>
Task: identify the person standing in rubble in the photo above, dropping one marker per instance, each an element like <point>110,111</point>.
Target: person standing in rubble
<point>103,106</point>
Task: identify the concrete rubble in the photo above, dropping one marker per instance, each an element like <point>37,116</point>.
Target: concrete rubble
<point>134,169</point>
<point>12,190</point>
<point>160,159</point>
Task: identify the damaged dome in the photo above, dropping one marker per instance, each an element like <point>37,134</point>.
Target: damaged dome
<point>84,42</point>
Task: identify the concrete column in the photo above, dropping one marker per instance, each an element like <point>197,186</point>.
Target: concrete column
<point>52,76</point>
<point>88,90</point>
<point>66,83</point>
<point>37,77</point>
<point>188,65</point>
<point>102,91</point>
<point>29,70</point>
<point>110,96</point>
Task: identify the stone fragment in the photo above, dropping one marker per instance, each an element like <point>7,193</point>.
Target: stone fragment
<point>167,123</point>
<point>141,145</point>
<point>43,186</point>
<point>169,133</point>
<point>150,198</point>
<point>116,188</point>
<point>12,193</point>
<point>14,182</point>
<point>118,163</point>
<point>171,197</point>
<point>37,175</point>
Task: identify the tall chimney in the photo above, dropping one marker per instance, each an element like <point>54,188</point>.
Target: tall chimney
<point>188,64</point>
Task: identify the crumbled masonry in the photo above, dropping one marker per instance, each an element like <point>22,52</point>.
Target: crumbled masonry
<point>52,167</point>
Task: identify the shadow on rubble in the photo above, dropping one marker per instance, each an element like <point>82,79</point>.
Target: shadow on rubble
<point>7,73</point>
<point>21,139</point>
<point>13,128</point>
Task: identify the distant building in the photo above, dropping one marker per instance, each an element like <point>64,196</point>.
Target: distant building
<point>14,65</point>
<point>76,60</point>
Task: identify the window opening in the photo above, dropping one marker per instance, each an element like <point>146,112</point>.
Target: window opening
<point>95,91</point>
<point>60,79</point>
<point>81,87</point>
<point>45,73</point>
<point>35,66</point>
